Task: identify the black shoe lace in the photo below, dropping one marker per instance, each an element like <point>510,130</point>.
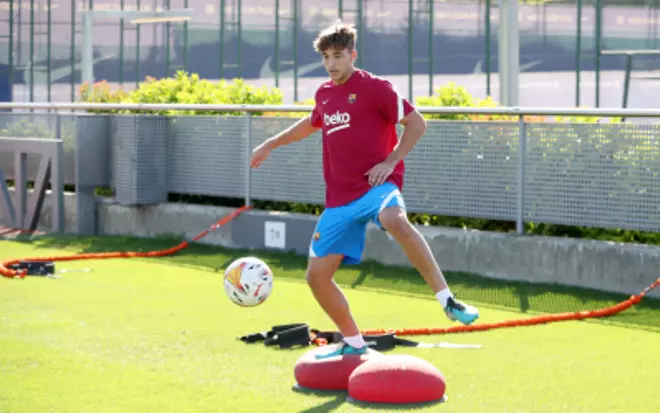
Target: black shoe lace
<point>451,303</point>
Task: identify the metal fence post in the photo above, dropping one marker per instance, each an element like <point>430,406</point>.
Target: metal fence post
<point>185,38</point>
<point>488,45</point>
<point>248,153</point>
<point>32,50</point>
<point>168,30</point>
<point>410,50</point>
<point>10,56</point>
<point>431,50</point>
<point>72,62</point>
<point>20,183</point>
<point>57,180</point>
<point>49,33</point>
<point>598,46</point>
<point>578,52</point>
<point>522,137</point>
<point>276,53</point>
<point>137,49</point>
<point>626,82</point>
<point>296,28</point>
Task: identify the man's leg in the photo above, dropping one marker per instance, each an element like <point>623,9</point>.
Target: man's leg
<point>395,221</point>
<point>320,273</point>
<point>337,238</point>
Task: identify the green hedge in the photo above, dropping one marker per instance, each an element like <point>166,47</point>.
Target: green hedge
<point>186,88</point>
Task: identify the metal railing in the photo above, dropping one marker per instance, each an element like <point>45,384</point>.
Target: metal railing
<point>503,111</point>
<point>603,174</point>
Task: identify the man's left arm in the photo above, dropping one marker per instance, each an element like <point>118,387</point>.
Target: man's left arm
<point>396,109</point>
<point>414,127</point>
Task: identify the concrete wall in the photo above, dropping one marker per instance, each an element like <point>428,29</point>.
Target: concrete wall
<point>608,266</point>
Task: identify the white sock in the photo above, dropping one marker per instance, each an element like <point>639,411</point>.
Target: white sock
<point>355,341</point>
<point>443,296</point>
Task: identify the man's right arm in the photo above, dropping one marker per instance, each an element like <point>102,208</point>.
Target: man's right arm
<point>297,132</point>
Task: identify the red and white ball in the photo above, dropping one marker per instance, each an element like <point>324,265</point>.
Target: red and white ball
<point>248,281</point>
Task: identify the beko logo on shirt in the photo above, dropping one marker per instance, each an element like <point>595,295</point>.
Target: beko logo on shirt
<point>337,121</point>
<point>336,118</point>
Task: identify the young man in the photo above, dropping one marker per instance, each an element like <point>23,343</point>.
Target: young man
<point>363,170</point>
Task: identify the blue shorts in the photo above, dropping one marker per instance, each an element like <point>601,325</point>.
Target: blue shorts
<point>343,230</point>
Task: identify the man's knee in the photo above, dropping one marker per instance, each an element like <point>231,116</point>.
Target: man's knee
<point>320,270</point>
<point>395,221</point>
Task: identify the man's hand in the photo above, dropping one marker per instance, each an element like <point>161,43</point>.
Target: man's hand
<point>259,155</point>
<point>296,132</point>
<point>380,172</point>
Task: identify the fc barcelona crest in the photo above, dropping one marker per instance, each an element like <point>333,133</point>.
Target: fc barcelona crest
<point>352,98</point>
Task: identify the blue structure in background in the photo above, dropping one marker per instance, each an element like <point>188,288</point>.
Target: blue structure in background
<point>5,86</point>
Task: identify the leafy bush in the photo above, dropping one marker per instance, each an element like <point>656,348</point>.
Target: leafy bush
<point>101,92</point>
<point>184,88</point>
<point>307,102</point>
<point>453,95</point>
<point>449,95</point>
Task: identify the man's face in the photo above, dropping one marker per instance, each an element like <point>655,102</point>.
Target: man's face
<point>339,63</point>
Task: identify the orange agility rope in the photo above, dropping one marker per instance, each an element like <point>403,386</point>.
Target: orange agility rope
<point>5,271</point>
<point>541,319</point>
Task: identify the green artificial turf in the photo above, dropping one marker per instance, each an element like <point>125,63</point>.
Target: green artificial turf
<point>159,335</point>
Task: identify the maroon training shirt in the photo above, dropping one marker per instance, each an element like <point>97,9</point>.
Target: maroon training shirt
<point>359,121</point>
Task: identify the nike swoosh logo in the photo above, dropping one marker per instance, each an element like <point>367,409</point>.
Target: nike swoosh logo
<point>337,128</point>
<point>523,68</point>
<point>41,71</point>
<point>478,69</point>
<point>266,72</point>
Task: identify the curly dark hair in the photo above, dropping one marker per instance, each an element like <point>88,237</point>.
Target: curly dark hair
<point>339,36</point>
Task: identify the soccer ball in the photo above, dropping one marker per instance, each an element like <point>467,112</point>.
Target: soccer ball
<point>248,281</point>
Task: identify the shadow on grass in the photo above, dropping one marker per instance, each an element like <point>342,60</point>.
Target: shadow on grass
<point>364,273</point>
<point>518,295</point>
<point>335,398</point>
<point>327,406</point>
<point>386,406</point>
